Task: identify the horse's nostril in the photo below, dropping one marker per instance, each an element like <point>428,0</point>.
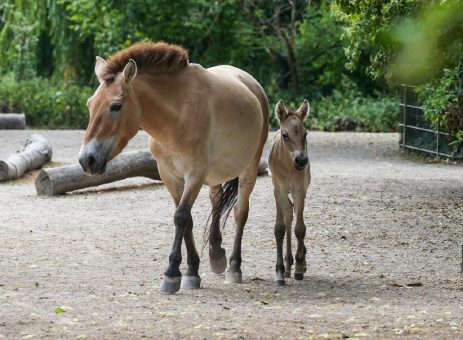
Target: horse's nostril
<point>91,160</point>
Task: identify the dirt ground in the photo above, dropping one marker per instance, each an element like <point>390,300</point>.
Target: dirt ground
<point>384,255</point>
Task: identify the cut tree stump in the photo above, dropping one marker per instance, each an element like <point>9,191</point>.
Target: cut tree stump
<point>12,121</point>
<point>58,181</point>
<point>36,153</point>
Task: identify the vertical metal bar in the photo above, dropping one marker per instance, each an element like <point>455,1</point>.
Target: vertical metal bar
<point>405,114</point>
<point>437,136</point>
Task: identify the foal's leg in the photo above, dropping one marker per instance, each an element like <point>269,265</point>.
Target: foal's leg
<point>281,200</point>
<point>217,257</point>
<point>289,260</point>
<point>247,180</point>
<point>187,192</point>
<point>300,229</point>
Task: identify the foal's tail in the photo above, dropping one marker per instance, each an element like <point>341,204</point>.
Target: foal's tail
<point>223,209</point>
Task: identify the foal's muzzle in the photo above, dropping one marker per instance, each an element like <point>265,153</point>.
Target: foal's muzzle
<point>300,161</point>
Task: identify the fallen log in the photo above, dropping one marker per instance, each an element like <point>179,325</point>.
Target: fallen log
<point>58,181</point>
<point>36,153</point>
<point>12,121</point>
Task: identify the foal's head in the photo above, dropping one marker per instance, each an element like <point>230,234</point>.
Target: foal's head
<point>114,117</point>
<point>293,132</point>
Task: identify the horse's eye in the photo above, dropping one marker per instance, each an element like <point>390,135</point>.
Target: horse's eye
<point>285,136</point>
<point>115,107</point>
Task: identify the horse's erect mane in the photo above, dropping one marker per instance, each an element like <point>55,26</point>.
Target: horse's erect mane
<point>149,56</point>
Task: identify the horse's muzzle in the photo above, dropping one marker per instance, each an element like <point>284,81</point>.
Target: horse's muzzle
<point>300,162</point>
<point>91,164</point>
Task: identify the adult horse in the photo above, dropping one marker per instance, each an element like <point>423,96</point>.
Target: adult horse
<point>205,126</point>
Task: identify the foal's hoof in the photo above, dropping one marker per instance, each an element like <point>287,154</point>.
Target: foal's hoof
<point>288,273</point>
<point>298,276</point>
<point>191,282</point>
<point>170,285</point>
<point>218,261</point>
<point>234,277</point>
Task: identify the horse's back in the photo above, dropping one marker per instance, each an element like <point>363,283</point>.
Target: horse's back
<point>254,87</point>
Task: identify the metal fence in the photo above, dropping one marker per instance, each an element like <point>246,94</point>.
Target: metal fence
<point>420,135</point>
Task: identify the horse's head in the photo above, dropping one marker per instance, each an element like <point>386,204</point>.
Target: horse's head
<point>293,132</point>
<point>114,117</point>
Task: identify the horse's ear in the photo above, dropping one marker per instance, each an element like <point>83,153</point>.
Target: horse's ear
<point>130,71</point>
<point>99,68</point>
<point>303,110</point>
<point>280,111</point>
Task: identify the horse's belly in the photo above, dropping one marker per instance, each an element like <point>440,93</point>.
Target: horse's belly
<point>229,162</point>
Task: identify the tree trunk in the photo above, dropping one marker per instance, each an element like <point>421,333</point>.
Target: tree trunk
<point>37,152</point>
<point>57,181</point>
<point>12,121</point>
<point>68,178</point>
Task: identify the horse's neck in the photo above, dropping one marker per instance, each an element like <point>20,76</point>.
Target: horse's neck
<point>158,112</point>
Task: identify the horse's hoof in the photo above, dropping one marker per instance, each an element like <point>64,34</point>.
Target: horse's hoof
<point>298,276</point>
<point>218,262</point>
<point>191,282</point>
<point>234,277</point>
<point>280,283</point>
<point>170,285</point>
<point>288,274</point>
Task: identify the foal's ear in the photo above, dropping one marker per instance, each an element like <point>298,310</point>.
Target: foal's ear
<point>303,110</point>
<point>280,111</point>
<point>99,68</point>
<point>130,71</point>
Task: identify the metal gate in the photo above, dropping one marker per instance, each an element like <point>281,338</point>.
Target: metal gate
<point>418,134</point>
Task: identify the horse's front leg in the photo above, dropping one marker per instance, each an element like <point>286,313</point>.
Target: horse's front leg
<point>300,230</point>
<point>183,229</point>
<point>281,200</point>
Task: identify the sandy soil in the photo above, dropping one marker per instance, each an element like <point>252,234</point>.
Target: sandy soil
<point>384,252</point>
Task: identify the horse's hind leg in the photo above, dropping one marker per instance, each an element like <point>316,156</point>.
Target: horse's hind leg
<point>217,257</point>
<point>289,260</point>
<point>247,180</point>
<point>300,230</point>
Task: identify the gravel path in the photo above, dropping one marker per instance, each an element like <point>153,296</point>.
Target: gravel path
<point>384,252</point>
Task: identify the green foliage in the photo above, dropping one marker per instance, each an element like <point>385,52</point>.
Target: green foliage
<point>413,41</point>
<point>348,109</point>
<point>46,103</point>
<point>291,47</point>
<point>443,103</point>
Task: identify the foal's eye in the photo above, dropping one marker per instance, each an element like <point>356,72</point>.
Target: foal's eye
<point>115,107</point>
<point>285,136</point>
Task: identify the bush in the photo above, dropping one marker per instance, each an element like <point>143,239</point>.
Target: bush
<point>46,103</point>
<point>348,109</point>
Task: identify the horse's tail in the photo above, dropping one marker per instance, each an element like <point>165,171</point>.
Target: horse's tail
<point>223,209</point>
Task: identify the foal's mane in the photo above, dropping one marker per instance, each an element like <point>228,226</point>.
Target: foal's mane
<point>149,56</point>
